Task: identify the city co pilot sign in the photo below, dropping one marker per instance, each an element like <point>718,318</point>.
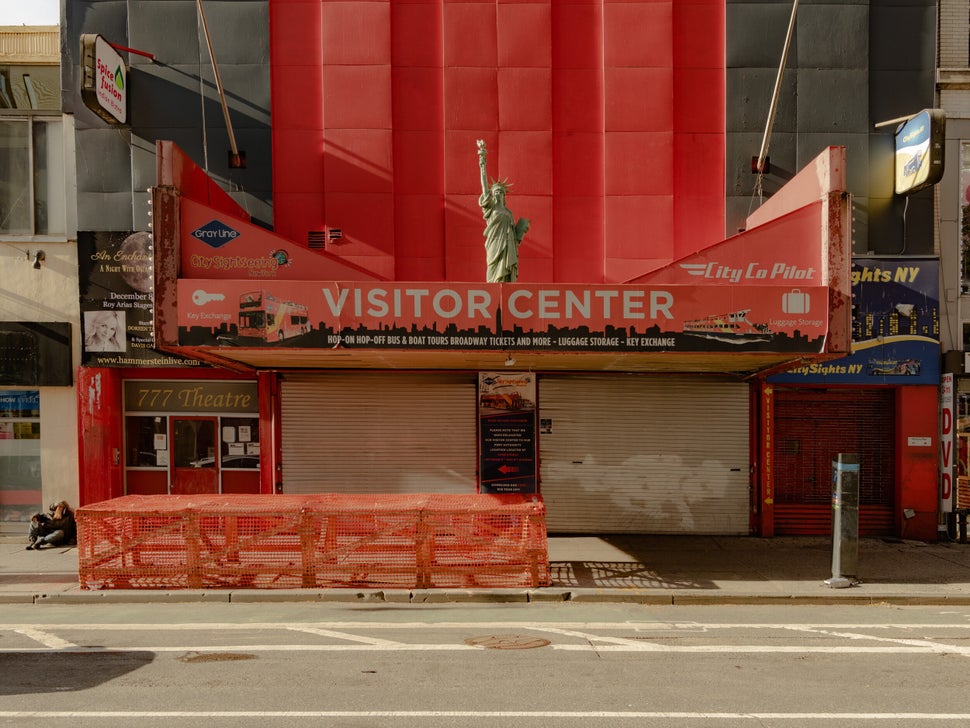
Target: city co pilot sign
<point>104,79</point>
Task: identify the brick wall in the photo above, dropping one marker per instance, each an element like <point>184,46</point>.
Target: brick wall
<point>954,33</point>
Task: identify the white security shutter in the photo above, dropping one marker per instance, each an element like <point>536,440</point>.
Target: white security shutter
<point>636,454</point>
<point>367,432</point>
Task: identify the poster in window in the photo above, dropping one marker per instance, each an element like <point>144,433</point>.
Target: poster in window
<point>507,432</point>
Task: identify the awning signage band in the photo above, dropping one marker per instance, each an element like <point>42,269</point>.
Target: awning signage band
<point>473,316</point>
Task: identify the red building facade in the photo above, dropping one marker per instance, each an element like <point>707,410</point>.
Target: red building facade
<point>608,119</point>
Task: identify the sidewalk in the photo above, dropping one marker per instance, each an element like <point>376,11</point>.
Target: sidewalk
<point>636,569</point>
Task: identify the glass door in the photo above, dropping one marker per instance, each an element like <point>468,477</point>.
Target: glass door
<point>195,466</point>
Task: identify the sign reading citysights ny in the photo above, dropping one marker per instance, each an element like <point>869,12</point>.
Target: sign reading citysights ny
<point>398,315</point>
<point>104,79</point>
<point>895,327</point>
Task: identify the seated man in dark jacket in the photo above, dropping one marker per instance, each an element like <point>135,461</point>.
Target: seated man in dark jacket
<point>58,529</point>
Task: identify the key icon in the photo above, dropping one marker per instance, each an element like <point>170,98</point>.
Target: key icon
<point>200,297</point>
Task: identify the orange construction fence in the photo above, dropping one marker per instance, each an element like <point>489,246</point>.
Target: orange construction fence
<point>313,541</point>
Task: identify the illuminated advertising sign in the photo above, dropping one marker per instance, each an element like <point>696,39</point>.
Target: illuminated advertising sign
<point>104,79</point>
<point>919,151</point>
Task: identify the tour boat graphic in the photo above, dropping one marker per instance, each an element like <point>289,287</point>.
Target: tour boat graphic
<point>731,328</point>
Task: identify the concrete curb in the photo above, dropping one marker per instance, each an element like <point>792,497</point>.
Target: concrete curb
<point>647,597</point>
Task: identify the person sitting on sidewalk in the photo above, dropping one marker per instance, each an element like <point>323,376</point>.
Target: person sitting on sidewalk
<point>57,529</point>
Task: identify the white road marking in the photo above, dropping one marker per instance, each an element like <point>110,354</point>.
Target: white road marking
<point>752,649</point>
<point>506,625</point>
<point>927,644</point>
<point>48,640</point>
<point>640,645</point>
<point>195,647</point>
<point>584,715</point>
<point>449,647</point>
<point>585,631</point>
<point>349,637</point>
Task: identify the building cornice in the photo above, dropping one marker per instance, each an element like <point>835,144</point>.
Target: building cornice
<point>30,44</point>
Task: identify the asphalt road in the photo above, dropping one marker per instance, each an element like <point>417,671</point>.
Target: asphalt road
<point>534,665</point>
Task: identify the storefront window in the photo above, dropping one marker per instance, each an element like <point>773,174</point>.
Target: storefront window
<point>20,477</point>
<point>191,436</point>
<point>32,200</point>
<point>147,442</point>
<point>194,444</point>
<point>240,442</point>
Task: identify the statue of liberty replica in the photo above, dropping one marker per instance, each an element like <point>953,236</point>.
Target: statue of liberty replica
<point>503,233</point>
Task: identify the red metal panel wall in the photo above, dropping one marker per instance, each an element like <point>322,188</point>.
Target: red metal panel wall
<point>296,74</point>
<point>418,110</point>
<point>357,123</point>
<point>607,117</point>
<point>698,39</point>
<point>578,181</point>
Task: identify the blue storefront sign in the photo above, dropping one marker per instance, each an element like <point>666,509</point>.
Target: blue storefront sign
<point>895,327</point>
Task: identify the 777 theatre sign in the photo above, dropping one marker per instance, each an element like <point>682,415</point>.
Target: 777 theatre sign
<point>681,317</point>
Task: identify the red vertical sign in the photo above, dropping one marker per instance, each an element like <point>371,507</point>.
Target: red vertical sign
<point>946,444</point>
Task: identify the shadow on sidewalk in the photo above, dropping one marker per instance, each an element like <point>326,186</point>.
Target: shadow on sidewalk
<point>617,574</point>
<point>719,562</point>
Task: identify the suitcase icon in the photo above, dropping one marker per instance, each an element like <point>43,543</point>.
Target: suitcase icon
<point>796,302</point>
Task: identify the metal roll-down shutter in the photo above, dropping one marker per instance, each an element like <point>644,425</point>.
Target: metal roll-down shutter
<point>636,454</point>
<point>812,426</point>
<point>363,432</point>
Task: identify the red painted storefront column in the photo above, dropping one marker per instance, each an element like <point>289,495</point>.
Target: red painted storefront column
<point>917,465</point>
<point>99,434</point>
<point>765,482</point>
<point>269,432</point>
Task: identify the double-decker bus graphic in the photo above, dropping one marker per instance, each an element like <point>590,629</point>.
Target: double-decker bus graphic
<point>261,316</point>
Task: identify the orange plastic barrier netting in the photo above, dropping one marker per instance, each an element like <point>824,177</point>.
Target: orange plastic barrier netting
<point>313,541</point>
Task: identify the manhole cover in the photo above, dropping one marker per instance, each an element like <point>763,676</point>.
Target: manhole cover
<point>216,657</point>
<point>507,642</point>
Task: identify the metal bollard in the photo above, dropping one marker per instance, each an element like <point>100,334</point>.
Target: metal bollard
<point>845,521</point>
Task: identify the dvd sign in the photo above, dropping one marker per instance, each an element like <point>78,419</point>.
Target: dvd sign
<point>104,79</point>
<point>946,443</point>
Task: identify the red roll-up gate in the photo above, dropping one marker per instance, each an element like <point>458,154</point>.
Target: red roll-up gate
<point>811,427</point>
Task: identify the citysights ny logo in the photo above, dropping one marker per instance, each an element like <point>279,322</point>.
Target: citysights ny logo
<point>215,234</point>
<point>751,271</point>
